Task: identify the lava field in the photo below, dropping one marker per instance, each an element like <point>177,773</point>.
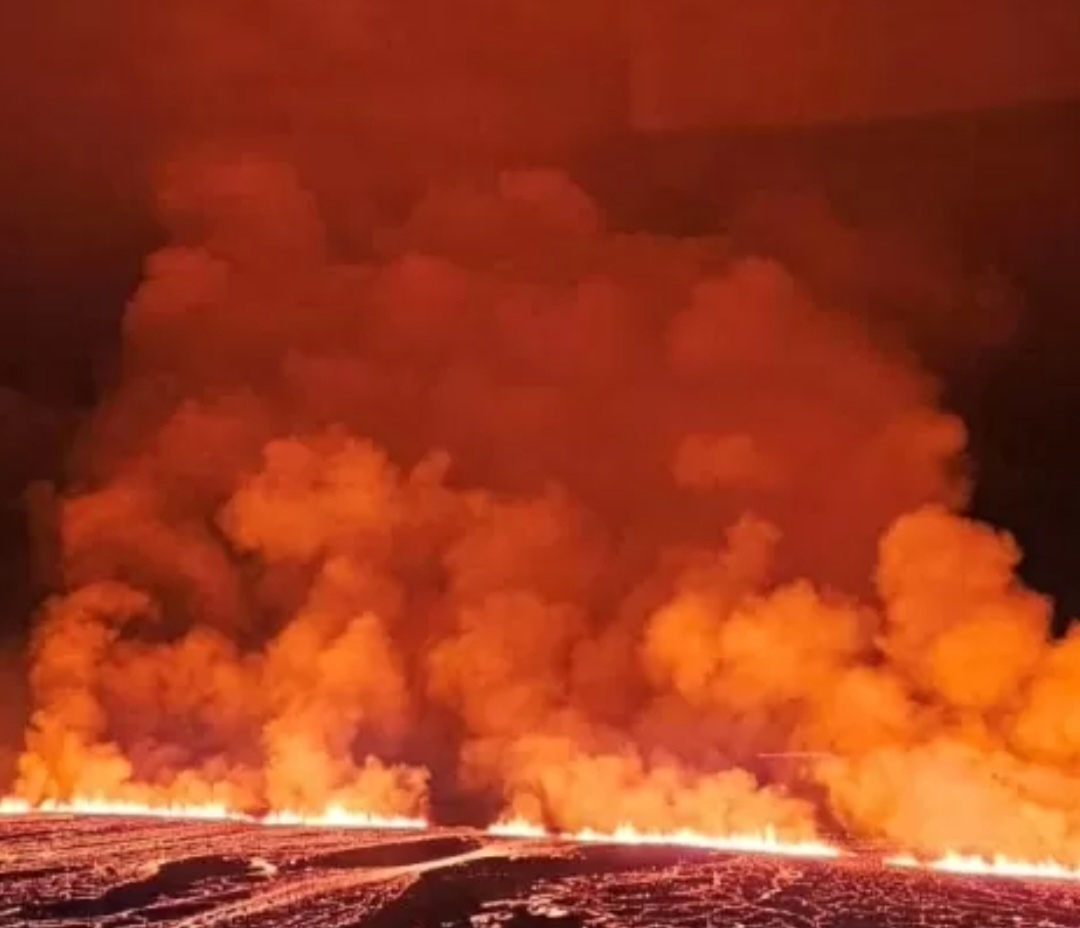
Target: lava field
<point>124,872</point>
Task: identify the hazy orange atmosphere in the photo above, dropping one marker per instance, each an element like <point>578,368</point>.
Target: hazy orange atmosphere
<point>420,484</point>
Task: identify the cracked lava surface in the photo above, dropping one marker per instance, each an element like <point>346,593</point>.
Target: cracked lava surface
<point>125,872</point>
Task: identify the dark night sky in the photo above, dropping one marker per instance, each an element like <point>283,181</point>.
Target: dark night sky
<point>997,178</point>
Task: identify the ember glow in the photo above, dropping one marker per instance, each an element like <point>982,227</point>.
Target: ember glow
<point>765,842</point>
<point>997,866</point>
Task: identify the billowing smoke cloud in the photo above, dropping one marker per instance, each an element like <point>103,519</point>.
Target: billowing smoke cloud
<point>484,498</point>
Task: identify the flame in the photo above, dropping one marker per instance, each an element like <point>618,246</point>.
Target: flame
<point>998,865</point>
<point>763,842</point>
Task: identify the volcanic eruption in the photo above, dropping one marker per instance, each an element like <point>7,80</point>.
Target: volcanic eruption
<point>475,498</point>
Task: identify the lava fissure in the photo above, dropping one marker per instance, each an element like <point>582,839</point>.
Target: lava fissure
<point>765,843</point>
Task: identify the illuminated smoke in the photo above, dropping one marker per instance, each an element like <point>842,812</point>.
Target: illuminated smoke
<point>68,750</point>
<point>490,498</point>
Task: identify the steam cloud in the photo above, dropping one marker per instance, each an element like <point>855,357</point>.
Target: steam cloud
<point>510,506</point>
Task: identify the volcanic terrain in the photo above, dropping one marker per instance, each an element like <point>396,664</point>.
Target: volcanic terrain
<point>113,871</point>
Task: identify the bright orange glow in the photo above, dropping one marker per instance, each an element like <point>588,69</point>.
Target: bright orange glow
<point>764,842</point>
<point>998,865</point>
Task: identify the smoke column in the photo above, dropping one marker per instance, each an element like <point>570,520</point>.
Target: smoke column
<point>471,496</point>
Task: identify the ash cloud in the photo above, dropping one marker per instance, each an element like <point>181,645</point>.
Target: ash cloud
<point>473,494</point>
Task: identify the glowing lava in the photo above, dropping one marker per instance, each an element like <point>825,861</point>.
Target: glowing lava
<point>201,812</point>
<point>764,842</point>
<point>335,816</point>
<point>518,828</point>
<point>998,865</point>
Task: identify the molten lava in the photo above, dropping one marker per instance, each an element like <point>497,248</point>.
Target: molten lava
<point>337,816</point>
<point>764,842</point>
<point>105,807</point>
<point>334,816</point>
<point>998,865</point>
<point>517,828</point>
